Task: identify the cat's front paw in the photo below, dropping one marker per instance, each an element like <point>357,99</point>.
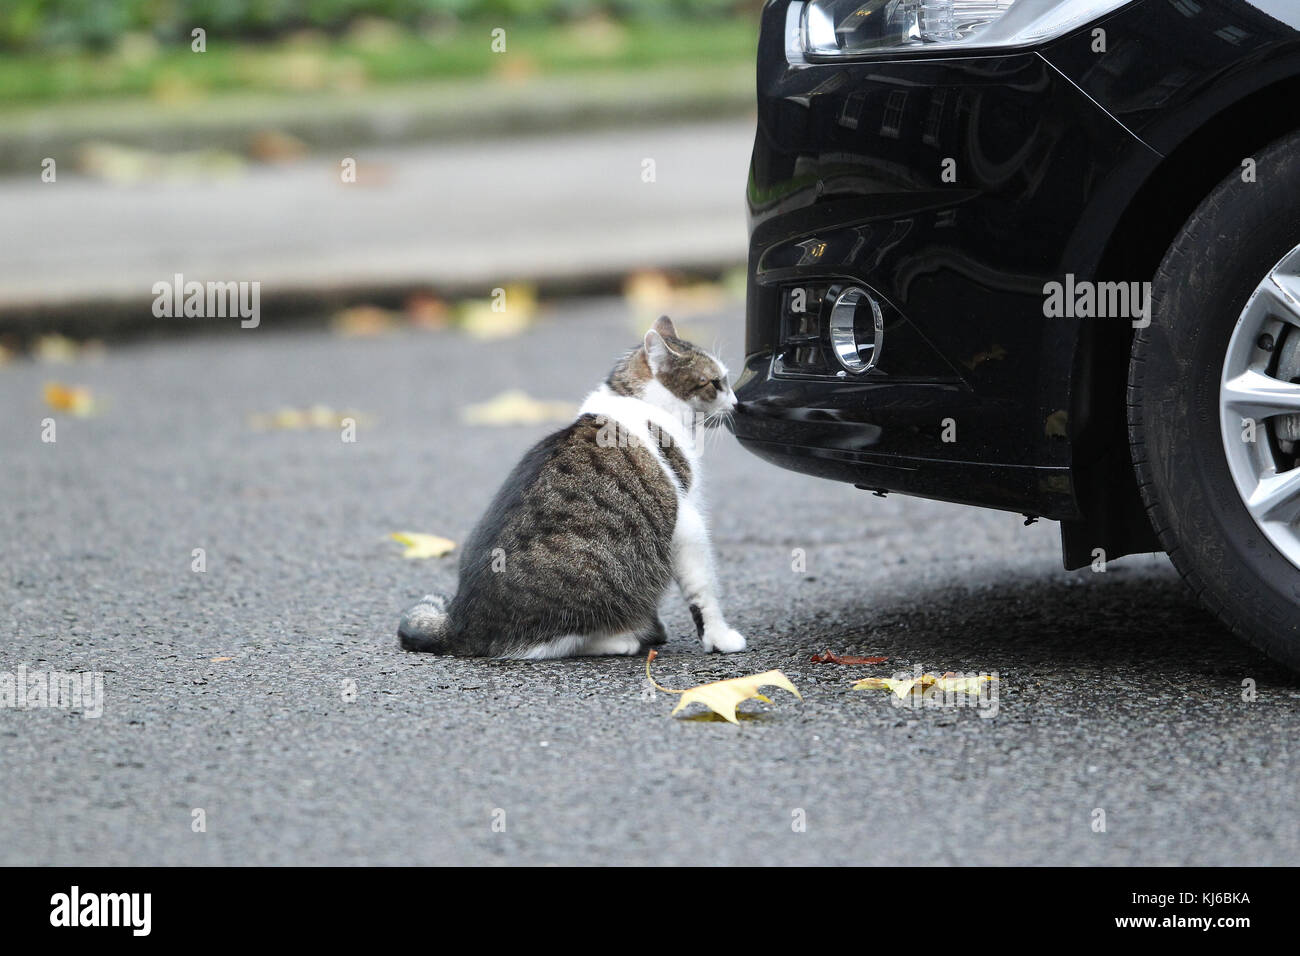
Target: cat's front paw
<point>724,640</point>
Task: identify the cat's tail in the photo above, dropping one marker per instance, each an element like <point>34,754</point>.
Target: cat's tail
<point>424,626</point>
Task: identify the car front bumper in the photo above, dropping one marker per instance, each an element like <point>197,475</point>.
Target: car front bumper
<point>952,189</point>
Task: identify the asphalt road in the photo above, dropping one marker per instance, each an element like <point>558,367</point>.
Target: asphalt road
<point>1116,692</point>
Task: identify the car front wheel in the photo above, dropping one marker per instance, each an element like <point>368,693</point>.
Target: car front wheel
<point>1214,402</point>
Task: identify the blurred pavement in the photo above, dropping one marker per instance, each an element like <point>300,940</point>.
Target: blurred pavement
<point>461,218</point>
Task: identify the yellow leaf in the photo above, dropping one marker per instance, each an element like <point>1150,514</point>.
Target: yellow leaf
<point>651,294</point>
<point>296,419</point>
<point>903,686</point>
<point>872,683</point>
<point>75,399</point>
<point>122,164</point>
<point>55,348</point>
<point>900,686</point>
<point>322,416</point>
<point>508,313</point>
<point>722,696</point>
<point>289,418</point>
<point>969,686</point>
<point>516,408</point>
<point>422,545</point>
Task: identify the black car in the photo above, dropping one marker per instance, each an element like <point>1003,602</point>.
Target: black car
<point>1043,256</point>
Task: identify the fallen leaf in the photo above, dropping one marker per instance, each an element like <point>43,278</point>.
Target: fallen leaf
<point>722,696</point>
<point>296,419</point>
<point>970,686</point>
<point>426,311</point>
<point>276,146</point>
<point>55,349</point>
<point>286,418</point>
<point>322,416</point>
<point>363,321</point>
<point>123,164</point>
<point>901,687</point>
<point>508,313</point>
<point>218,660</point>
<point>516,68</point>
<point>651,294</point>
<point>423,545</point>
<point>830,657</point>
<point>516,408</point>
<point>74,399</point>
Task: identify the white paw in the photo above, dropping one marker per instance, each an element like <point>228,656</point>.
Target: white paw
<point>724,640</point>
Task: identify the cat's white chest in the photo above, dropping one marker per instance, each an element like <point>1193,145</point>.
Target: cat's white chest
<point>635,418</point>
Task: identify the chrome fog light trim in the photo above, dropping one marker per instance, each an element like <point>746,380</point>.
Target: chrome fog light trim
<point>857,330</point>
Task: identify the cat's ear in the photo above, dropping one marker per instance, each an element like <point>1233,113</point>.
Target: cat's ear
<point>664,326</point>
<point>657,352</point>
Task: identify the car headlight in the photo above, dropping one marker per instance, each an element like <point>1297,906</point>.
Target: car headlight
<point>853,27</point>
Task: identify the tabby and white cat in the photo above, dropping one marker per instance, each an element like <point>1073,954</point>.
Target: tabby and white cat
<point>579,545</point>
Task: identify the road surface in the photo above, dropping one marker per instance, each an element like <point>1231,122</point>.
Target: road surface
<point>268,692</point>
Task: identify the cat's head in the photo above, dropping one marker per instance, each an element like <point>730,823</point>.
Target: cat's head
<point>676,375</point>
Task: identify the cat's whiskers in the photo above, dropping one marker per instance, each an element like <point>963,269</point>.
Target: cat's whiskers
<point>714,423</point>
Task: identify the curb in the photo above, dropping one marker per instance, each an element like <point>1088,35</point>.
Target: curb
<point>290,307</point>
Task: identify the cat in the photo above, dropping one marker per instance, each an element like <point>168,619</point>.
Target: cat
<point>579,545</point>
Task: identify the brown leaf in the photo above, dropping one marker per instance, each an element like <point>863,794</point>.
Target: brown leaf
<point>427,311</point>
<point>363,321</point>
<point>276,146</point>
<point>851,660</point>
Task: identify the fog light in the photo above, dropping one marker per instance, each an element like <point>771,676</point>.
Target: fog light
<point>857,329</point>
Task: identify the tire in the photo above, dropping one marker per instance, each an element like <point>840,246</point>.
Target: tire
<point>1223,252</point>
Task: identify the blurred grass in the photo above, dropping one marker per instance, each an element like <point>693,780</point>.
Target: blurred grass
<point>99,24</point>
<point>370,53</point>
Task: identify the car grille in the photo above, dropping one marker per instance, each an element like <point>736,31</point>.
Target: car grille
<point>803,346</point>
